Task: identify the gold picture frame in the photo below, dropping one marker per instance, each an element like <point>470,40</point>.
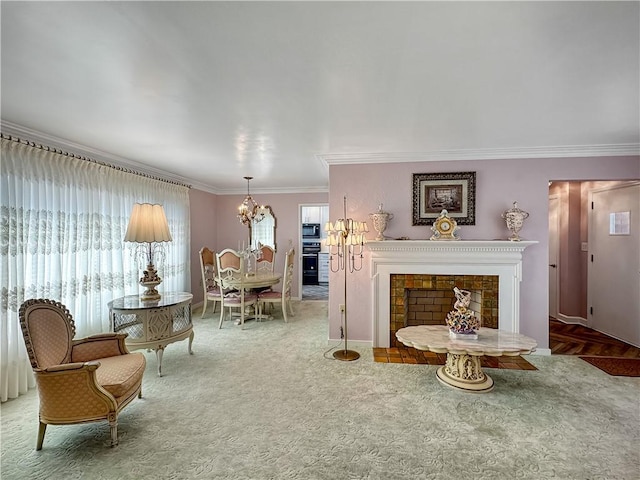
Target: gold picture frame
<point>453,192</point>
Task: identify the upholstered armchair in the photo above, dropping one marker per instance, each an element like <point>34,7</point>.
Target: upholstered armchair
<point>78,381</point>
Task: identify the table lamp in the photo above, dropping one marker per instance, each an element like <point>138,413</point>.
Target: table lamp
<point>148,227</point>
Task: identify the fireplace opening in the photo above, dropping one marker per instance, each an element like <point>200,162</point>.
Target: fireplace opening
<point>418,299</point>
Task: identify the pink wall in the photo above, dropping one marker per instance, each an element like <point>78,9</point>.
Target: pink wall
<point>214,223</point>
<point>203,233</point>
<point>498,184</point>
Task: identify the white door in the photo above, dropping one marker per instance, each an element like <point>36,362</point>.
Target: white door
<point>614,263</point>
<point>554,222</point>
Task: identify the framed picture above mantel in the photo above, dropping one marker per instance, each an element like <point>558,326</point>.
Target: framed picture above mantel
<point>454,192</point>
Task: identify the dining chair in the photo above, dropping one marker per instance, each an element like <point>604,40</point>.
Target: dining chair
<point>265,261</point>
<point>264,264</point>
<point>79,380</point>
<point>283,297</point>
<point>210,287</point>
<point>231,272</point>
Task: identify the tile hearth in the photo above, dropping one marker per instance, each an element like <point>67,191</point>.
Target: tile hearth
<point>404,354</point>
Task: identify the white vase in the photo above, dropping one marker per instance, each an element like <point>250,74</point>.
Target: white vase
<point>380,221</point>
<point>514,217</point>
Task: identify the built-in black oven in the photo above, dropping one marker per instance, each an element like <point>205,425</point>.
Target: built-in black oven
<point>310,263</point>
<point>310,230</point>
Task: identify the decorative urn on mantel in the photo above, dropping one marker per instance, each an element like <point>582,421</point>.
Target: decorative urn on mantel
<point>380,222</point>
<point>514,217</point>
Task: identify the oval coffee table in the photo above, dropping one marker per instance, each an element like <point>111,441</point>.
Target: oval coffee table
<point>462,369</point>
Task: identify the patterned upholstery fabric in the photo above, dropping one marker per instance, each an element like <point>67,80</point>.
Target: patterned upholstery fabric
<point>51,337</point>
<point>118,375</point>
<point>97,346</point>
<point>78,381</point>
<point>270,295</point>
<point>234,299</point>
<point>67,397</point>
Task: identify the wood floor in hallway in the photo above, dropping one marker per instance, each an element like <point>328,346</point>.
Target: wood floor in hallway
<point>572,339</point>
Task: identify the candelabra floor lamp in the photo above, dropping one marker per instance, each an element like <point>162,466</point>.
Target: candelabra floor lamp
<point>346,239</point>
<point>148,228</point>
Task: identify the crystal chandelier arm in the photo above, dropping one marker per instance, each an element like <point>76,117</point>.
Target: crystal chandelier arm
<point>249,211</point>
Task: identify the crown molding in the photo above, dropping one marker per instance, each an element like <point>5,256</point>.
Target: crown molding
<point>630,149</point>
<point>267,191</point>
<point>567,151</point>
<point>35,136</point>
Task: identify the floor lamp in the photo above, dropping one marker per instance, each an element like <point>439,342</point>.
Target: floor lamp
<point>346,239</point>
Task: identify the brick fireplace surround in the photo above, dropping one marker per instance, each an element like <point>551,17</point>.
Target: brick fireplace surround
<point>448,261</point>
<point>418,299</point>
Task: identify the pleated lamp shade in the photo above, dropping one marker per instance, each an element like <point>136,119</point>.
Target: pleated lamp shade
<point>148,224</point>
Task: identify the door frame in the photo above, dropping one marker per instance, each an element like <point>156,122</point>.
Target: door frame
<point>590,266</point>
<point>555,301</point>
<point>300,207</point>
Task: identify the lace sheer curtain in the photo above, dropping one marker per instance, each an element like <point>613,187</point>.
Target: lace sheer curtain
<point>62,224</point>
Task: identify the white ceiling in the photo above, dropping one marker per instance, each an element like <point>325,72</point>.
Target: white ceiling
<point>214,91</point>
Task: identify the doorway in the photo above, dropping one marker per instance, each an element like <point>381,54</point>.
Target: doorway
<point>554,227</point>
<point>573,238</point>
<point>314,280</point>
<point>614,262</point>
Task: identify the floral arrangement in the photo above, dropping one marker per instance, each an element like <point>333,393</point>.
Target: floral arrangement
<point>462,320</point>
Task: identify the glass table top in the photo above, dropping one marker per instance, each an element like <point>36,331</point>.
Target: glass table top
<point>133,302</point>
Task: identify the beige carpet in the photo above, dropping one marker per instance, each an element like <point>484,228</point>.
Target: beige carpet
<point>267,403</point>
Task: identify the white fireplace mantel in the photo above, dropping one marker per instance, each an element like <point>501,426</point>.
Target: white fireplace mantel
<point>462,257</point>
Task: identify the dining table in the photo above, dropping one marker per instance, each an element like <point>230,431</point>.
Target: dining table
<point>251,282</point>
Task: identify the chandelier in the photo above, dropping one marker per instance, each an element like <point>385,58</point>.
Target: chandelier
<point>250,212</point>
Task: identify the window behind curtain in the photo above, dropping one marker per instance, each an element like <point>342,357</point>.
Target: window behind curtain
<point>62,224</point>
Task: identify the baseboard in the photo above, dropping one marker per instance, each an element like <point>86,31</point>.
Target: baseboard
<point>354,343</point>
<point>198,306</point>
<point>628,342</point>
<point>194,306</point>
<point>573,320</point>
<point>541,351</point>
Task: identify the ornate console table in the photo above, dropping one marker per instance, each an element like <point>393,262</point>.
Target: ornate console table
<point>153,325</point>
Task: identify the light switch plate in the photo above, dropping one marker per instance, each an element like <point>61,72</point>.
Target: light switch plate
<point>584,247</point>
